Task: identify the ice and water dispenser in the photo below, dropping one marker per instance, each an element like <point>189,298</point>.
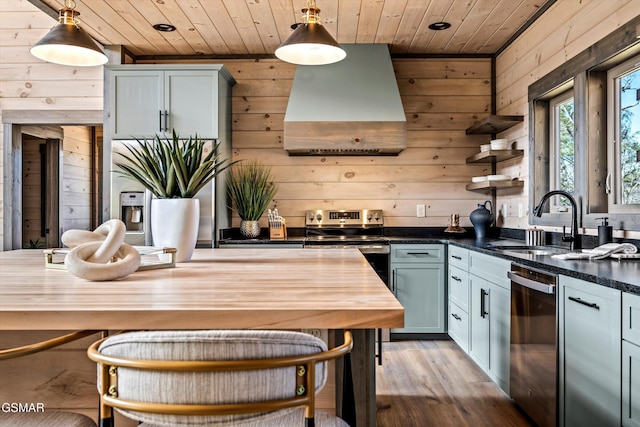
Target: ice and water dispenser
<point>132,213</point>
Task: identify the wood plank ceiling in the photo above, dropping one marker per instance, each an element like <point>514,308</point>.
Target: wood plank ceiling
<point>257,27</point>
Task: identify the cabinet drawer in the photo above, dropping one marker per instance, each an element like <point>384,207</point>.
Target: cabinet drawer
<point>459,287</point>
<point>631,317</point>
<point>418,253</point>
<point>489,267</point>
<point>459,257</point>
<point>459,326</point>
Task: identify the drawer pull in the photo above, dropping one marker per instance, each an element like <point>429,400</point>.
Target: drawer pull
<point>483,304</point>
<point>588,304</point>
<point>418,253</point>
<point>456,278</point>
<point>455,316</point>
<point>459,258</point>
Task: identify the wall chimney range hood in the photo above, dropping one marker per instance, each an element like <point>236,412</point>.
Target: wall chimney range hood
<point>352,107</point>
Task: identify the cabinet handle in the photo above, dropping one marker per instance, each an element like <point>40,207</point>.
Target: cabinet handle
<point>588,304</point>
<point>459,258</point>
<point>393,281</point>
<point>455,316</point>
<point>483,304</point>
<point>456,278</point>
<point>166,121</point>
<point>417,253</point>
<point>160,119</point>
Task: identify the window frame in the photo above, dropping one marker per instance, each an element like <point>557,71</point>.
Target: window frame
<point>613,184</point>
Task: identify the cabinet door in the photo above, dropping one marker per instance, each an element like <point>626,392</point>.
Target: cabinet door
<point>191,101</point>
<point>479,321</point>
<point>499,335</point>
<point>137,104</point>
<point>590,354</point>
<point>630,385</point>
<point>421,291</point>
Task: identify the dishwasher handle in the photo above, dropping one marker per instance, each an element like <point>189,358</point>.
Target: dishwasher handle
<point>531,284</point>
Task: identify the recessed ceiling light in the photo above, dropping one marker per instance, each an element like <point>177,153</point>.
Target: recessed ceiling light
<point>167,28</point>
<point>437,26</point>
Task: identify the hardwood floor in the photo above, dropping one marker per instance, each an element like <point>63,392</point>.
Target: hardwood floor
<point>433,383</point>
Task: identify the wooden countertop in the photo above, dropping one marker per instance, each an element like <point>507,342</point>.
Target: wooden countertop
<point>218,288</point>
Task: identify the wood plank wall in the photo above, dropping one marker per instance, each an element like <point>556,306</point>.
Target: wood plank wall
<point>441,98</point>
<point>76,178</point>
<point>566,29</point>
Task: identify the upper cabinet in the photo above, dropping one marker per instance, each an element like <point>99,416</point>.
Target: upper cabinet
<point>145,100</point>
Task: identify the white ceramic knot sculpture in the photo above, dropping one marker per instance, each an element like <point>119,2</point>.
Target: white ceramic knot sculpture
<point>92,252</point>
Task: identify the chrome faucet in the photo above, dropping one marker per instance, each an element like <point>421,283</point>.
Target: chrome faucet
<point>574,239</point>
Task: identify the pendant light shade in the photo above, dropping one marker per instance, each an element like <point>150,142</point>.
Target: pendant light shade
<point>68,44</point>
<point>310,43</point>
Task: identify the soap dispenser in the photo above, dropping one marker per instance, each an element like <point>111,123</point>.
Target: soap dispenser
<point>605,232</point>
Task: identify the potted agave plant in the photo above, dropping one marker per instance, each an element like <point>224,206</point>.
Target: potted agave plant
<point>173,170</point>
<point>250,189</point>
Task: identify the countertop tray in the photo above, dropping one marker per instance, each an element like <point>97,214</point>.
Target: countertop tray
<point>149,255</point>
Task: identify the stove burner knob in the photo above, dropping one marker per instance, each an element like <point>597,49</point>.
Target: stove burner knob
<point>311,216</point>
<point>369,217</point>
<point>319,217</point>
<point>377,217</point>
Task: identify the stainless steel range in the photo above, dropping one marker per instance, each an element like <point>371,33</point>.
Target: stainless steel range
<point>341,228</point>
<point>363,229</point>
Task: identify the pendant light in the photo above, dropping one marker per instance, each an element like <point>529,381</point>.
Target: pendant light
<point>310,43</point>
<point>68,44</point>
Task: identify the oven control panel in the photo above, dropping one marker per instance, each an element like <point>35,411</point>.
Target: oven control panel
<point>341,218</point>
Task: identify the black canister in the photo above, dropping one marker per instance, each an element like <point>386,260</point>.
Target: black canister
<point>482,218</point>
<point>605,232</point>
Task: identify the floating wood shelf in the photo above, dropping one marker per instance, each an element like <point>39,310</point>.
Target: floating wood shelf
<point>494,185</point>
<point>494,124</point>
<point>491,156</point>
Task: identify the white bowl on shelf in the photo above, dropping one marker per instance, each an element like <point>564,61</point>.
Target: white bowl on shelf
<point>485,147</point>
<point>500,144</point>
<point>476,179</point>
<point>498,178</point>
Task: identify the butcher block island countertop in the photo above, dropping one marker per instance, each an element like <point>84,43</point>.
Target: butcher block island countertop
<point>218,288</point>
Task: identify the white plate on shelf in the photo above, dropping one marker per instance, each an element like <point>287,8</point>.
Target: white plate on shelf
<point>485,147</point>
<point>498,178</point>
<point>476,179</point>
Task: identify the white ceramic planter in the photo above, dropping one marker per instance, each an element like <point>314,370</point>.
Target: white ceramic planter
<point>174,224</point>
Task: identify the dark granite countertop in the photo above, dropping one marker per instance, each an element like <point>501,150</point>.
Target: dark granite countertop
<point>623,275</point>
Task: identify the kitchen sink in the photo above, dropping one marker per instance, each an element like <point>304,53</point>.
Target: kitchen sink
<point>530,250</point>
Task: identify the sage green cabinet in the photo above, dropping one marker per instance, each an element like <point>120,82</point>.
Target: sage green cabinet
<point>630,360</point>
<point>489,315</point>
<point>145,100</point>
<point>589,354</point>
<point>418,282</point>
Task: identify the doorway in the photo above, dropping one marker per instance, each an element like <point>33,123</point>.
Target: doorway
<point>71,164</point>
<point>40,189</point>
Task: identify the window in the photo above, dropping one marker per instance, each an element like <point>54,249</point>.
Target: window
<point>599,90</point>
<point>561,148</point>
<point>623,148</point>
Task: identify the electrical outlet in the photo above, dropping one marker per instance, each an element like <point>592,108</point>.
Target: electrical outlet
<point>421,211</point>
<point>520,211</point>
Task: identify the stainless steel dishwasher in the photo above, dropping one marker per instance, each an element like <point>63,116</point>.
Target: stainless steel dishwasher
<point>534,351</point>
